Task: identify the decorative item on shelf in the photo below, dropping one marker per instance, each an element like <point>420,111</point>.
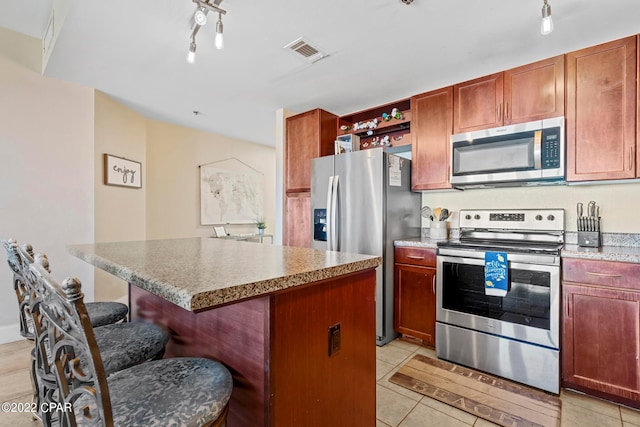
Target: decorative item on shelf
<point>589,225</point>
<point>386,140</point>
<point>346,143</point>
<point>261,225</point>
<point>371,124</point>
<point>395,114</point>
<point>346,128</point>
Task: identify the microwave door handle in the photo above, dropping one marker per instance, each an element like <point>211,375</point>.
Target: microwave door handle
<point>537,150</point>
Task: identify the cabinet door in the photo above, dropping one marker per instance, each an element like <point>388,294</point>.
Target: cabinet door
<point>308,135</point>
<point>601,111</point>
<point>415,302</point>
<point>302,145</point>
<point>534,91</point>
<point>477,104</point>
<point>600,340</point>
<point>297,224</point>
<point>431,125</point>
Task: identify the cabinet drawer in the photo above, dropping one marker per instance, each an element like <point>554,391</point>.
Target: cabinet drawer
<point>603,273</point>
<point>415,256</point>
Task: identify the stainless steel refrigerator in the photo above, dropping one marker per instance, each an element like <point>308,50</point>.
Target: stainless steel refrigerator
<point>361,202</point>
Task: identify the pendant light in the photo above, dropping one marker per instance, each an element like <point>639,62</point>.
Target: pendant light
<point>546,26</point>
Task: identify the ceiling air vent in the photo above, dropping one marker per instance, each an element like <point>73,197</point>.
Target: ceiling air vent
<point>305,50</point>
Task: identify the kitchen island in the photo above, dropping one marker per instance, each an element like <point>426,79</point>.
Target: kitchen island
<point>295,326</point>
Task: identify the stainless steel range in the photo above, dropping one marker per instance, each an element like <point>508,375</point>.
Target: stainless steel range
<point>515,336</point>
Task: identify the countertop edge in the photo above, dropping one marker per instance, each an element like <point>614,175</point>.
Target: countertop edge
<point>211,299</point>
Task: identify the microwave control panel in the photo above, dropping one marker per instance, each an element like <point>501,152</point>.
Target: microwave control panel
<point>551,148</point>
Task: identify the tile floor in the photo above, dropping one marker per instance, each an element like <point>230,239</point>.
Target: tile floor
<point>396,406</point>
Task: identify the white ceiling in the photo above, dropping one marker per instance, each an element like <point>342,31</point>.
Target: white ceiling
<point>380,51</point>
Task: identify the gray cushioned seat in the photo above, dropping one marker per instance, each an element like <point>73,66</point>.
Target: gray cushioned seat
<point>106,313</point>
<point>170,392</point>
<point>126,344</point>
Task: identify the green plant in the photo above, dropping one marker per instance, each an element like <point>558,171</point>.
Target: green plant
<point>261,224</point>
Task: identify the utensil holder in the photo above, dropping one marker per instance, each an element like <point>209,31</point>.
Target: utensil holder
<point>589,239</point>
<point>439,230</point>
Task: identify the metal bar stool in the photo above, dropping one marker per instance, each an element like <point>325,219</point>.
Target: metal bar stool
<point>175,391</point>
<point>101,313</point>
<point>121,345</point>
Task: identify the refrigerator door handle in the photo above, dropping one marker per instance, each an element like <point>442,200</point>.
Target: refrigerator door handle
<point>329,213</point>
<point>333,229</point>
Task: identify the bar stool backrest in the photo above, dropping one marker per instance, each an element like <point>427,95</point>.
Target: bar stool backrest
<point>19,259</point>
<point>63,329</point>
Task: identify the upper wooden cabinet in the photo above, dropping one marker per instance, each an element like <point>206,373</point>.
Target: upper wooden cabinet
<point>531,92</point>
<point>308,135</point>
<point>534,91</point>
<point>478,104</point>
<point>601,111</point>
<point>432,117</point>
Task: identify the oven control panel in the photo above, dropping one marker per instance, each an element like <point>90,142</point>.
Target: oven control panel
<point>506,216</point>
<point>513,219</point>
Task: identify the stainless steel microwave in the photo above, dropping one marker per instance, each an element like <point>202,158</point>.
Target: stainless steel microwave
<point>521,154</point>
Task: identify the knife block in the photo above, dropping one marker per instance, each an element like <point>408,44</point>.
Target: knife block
<point>589,239</point>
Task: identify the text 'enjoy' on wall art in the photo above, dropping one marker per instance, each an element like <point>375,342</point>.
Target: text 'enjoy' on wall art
<point>122,172</point>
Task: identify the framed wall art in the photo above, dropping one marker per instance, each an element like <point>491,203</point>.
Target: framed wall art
<point>122,172</point>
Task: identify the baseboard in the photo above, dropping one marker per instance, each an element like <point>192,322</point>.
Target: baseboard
<point>10,333</point>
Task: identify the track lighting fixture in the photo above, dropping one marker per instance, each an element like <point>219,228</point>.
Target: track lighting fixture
<point>203,7</point>
<point>547,23</point>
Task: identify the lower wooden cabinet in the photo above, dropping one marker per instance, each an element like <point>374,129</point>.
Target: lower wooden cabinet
<point>601,329</point>
<point>297,221</point>
<point>415,293</point>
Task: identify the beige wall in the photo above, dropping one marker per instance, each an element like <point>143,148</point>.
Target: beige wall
<point>46,174</point>
<point>619,203</point>
<point>173,177</point>
<point>119,211</point>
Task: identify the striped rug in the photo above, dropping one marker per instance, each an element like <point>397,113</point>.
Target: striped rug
<point>497,400</point>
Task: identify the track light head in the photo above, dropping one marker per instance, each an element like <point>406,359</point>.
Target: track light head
<point>191,56</point>
<point>219,30</point>
<point>546,26</point>
<point>200,16</point>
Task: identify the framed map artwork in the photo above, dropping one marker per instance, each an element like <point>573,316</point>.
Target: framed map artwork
<point>230,195</point>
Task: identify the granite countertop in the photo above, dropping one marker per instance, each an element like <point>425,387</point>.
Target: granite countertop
<point>620,247</point>
<point>603,253</point>
<point>417,242</point>
<point>202,273</point>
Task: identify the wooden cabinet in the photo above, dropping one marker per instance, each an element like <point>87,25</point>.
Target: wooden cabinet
<point>478,104</point>
<point>297,225</point>
<point>601,329</point>
<point>308,135</point>
<point>431,127</point>
<point>415,293</point>
<point>530,92</point>
<point>601,111</point>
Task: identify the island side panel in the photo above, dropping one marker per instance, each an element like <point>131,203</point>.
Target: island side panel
<point>309,387</point>
<point>236,334</point>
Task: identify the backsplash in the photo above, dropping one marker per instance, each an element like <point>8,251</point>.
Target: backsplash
<point>619,204</point>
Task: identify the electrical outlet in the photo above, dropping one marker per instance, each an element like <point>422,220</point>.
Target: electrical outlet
<point>334,339</point>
